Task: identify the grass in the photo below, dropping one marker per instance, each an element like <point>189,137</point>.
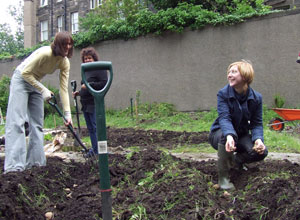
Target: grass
<point>163,116</point>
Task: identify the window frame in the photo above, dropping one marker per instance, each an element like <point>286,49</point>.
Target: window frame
<point>74,26</point>
<point>44,24</point>
<point>60,23</point>
<point>92,4</point>
<point>43,3</point>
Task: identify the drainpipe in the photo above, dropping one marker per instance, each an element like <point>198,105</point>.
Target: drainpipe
<point>51,18</point>
<point>65,14</point>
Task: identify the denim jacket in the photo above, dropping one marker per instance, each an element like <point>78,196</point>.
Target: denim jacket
<point>230,113</point>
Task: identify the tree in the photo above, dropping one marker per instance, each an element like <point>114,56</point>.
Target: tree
<point>17,13</point>
<point>11,43</point>
<point>7,46</point>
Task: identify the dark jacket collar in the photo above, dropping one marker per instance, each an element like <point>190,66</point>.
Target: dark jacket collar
<point>231,93</point>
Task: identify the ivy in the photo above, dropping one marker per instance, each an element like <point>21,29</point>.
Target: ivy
<point>127,19</point>
<point>144,21</point>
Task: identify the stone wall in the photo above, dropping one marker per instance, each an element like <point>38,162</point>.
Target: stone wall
<point>188,69</point>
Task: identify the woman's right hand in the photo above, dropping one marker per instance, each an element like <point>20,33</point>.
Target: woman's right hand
<point>230,144</point>
<point>74,94</point>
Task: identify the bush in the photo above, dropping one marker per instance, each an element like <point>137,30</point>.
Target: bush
<point>279,101</point>
<point>48,109</point>
<point>4,91</point>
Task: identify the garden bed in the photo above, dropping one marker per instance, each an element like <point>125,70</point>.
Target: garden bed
<point>150,184</point>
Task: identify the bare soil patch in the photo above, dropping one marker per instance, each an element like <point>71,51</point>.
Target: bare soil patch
<point>176,189</point>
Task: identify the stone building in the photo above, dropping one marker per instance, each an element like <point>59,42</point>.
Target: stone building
<point>44,18</point>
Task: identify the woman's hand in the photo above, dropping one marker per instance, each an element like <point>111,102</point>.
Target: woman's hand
<point>230,144</point>
<point>68,118</point>
<point>74,94</point>
<point>259,146</point>
<point>68,122</point>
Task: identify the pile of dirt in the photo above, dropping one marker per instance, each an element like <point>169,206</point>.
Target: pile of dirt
<point>150,184</point>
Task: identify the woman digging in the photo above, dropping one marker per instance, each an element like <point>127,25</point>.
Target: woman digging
<point>26,99</point>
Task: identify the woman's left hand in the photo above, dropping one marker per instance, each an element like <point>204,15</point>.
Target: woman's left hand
<point>259,146</point>
<point>68,122</point>
<point>68,118</point>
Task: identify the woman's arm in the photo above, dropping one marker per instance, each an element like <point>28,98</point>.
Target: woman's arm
<point>256,122</point>
<point>63,88</point>
<point>225,119</point>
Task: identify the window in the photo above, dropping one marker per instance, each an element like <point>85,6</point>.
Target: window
<point>59,0</point>
<point>95,3</point>
<point>74,22</point>
<point>92,4</point>
<point>44,3</point>
<point>59,24</point>
<point>44,30</point>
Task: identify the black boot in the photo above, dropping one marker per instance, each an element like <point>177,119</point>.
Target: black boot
<point>224,163</point>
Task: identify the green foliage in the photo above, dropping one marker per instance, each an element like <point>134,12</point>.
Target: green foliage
<point>4,91</point>
<point>278,101</point>
<point>8,43</point>
<point>125,19</point>
<point>48,109</point>
<point>11,43</point>
<point>17,14</point>
<point>24,52</point>
<point>114,22</point>
<point>221,6</point>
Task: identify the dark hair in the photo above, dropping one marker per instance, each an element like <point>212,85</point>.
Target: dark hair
<point>58,45</point>
<point>89,51</point>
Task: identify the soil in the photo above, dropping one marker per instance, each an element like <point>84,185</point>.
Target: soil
<point>150,184</point>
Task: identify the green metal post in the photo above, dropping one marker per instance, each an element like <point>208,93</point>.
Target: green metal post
<point>105,187</point>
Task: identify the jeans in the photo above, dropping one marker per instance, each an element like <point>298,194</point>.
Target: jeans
<point>90,119</point>
<point>25,103</point>
<point>244,145</point>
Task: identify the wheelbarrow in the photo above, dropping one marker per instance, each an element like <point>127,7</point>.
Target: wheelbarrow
<point>287,115</point>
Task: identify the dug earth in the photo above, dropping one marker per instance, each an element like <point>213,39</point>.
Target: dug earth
<point>150,183</point>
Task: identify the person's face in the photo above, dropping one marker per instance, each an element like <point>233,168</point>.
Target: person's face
<point>67,46</point>
<point>235,78</point>
<point>88,59</point>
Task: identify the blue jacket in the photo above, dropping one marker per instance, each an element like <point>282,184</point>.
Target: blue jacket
<point>230,113</point>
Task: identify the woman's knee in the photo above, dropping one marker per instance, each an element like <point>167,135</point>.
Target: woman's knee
<point>215,138</point>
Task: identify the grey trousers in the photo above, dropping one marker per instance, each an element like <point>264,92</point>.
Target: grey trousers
<point>25,102</point>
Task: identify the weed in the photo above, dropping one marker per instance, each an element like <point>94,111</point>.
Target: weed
<point>23,195</point>
<point>41,198</point>
<point>47,137</point>
<point>278,101</point>
<point>139,213</point>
